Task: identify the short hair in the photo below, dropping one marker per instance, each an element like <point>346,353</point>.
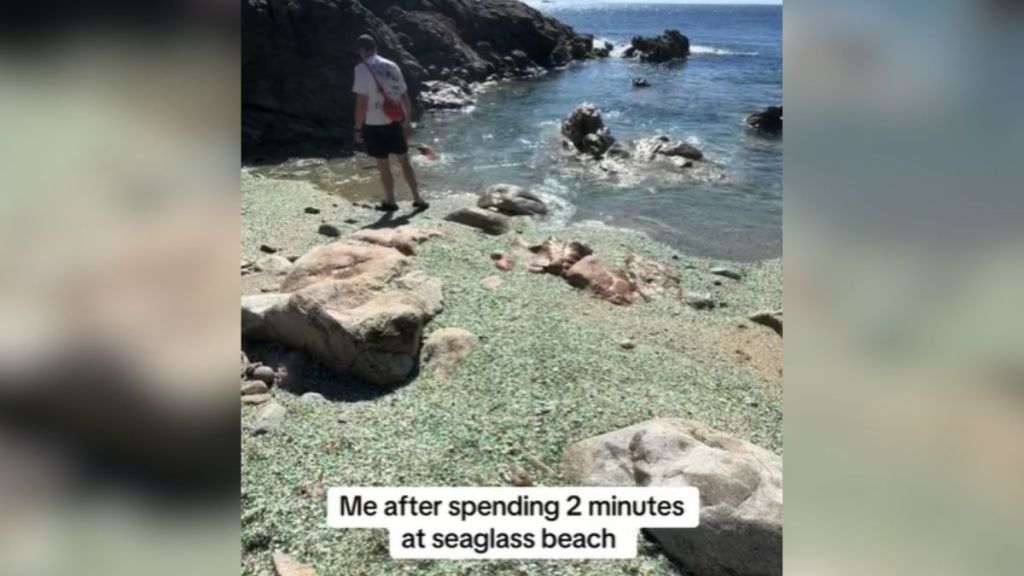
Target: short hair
<point>366,42</point>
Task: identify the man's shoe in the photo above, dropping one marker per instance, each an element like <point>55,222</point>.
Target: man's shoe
<point>386,207</point>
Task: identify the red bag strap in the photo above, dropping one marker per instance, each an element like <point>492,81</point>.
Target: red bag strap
<point>375,79</point>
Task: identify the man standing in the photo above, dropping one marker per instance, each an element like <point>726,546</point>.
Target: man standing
<point>383,119</point>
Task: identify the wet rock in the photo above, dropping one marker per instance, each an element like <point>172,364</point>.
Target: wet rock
<point>270,418</point>
<point>640,82</point>
<point>727,273</point>
<point>655,147</point>
<point>772,320</point>
<point>512,200</point>
<point>740,532</point>
<point>688,151</point>
<point>594,276</point>
<point>585,129</point>
<point>489,222</point>
<point>254,387</point>
<point>329,230</point>
<point>768,121</point>
<point>273,264</point>
<point>438,94</point>
<point>445,349</point>
<point>264,374</point>
<point>669,46</point>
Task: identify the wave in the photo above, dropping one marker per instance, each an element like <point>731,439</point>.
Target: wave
<point>711,50</point>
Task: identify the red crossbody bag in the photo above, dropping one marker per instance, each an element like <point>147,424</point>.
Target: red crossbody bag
<point>392,108</point>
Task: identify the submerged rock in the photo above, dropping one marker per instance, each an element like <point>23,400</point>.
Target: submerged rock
<point>671,45</point>
<point>740,532</point>
<point>512,200</point>
<point>639,82</point>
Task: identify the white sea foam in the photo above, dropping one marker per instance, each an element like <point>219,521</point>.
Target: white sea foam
<point>712,51</point>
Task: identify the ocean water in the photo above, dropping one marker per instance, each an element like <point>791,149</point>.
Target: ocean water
<point>730,209</point>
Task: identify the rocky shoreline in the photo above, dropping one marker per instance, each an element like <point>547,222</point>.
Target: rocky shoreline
<point>514,362</point>
<point>298,57</point>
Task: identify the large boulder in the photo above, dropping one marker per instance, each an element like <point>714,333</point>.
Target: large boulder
<point>740,532</point>
<point>512,200</point>
<point>767,121</point>
<point>298,58</point>
<point>585,129</point>
<point>671,45</point>
<point>352,305</point>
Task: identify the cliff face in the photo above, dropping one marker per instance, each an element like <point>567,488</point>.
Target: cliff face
<point>298,57</point>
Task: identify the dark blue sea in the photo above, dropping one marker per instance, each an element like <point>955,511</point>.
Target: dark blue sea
<point>732,212</point>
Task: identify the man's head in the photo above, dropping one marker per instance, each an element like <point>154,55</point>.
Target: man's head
<point>366,45</point>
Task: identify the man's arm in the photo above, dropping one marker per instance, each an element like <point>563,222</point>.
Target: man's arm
<point>360,120</point>
<point>407,109</point>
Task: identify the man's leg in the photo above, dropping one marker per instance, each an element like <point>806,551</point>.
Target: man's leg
<point>386,179</point>
<point>410,178</point>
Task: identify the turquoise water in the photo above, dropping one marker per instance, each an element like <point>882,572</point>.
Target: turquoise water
<point>731,211</point>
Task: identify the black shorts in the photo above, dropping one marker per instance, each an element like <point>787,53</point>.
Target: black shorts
<point>382,141</point>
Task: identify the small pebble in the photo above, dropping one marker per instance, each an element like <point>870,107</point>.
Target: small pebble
<point>329,230</point>
<point>727,273</point>
<point>311,210</point>
<point>627,344</point>
<point>267,249</point>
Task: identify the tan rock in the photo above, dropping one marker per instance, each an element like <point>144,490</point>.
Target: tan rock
<point>740,532</point>
<point>492,282</point>
<point>445,349</point>
<point>285,565</point>
<point>405,239</point>
<point>373,265</point>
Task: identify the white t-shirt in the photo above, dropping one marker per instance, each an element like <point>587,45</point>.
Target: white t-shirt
<point>390,79</point>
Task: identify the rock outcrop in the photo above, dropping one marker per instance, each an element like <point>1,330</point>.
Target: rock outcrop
<point>740,532</point>
<point>671,45</point>
<point>512,200</point>
<point>584,129</point>
<point>438,94</point>
<point>767,121</point>
<point>298,58</point>
<point>353,304</point>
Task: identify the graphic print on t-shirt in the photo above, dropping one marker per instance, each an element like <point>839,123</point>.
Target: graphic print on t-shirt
<point>391,80</point>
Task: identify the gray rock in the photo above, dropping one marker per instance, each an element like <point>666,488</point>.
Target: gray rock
<point>264,374</point>
<point>313,397</point>
<point>273,264</point>
<point>445,349</point>
<point>311,210</point>
<point>727,273</point>
<point>269,419</point>
<point>669,46</point>
<point>699,301</point>
<point>740,532</point>
<point>438,94</point>
<point>585,129</point>
<point>639,82</point>
<point>627,344</point>
<point>511,200</point>
<point>254,387</point>
<point>767,121</point>
<point>490,222</point>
